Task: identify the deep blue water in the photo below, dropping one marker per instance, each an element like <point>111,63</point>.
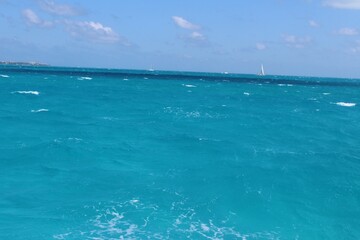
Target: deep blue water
<point>118,154</point>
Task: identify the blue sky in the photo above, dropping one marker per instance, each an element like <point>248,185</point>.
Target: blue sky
<point>302,37</point>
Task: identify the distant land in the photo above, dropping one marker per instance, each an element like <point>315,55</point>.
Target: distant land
<point>22,63</point>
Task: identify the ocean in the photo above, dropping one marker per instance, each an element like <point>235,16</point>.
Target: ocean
<point>125,154</point>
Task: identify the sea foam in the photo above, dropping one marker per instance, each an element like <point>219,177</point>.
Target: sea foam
<point>345,104</point>
<point>189,85</point>
<point>84,78</point>
<point>27,92</point>
<point>40,110</point>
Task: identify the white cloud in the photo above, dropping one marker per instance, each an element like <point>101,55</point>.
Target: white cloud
<point>197,36</point>
<point>94,31</point>
<point>58,9</point>
<point>32,18</point>
<point>343,4</point>
<point>313,23</point>
<point>260,46</point>
<point>348,31</point>
<point>356,48</point>
<point>87,30</point>
<point>183,23</point>
<point>297,42</point>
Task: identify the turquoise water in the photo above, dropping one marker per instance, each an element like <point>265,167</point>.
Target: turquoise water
<point>110,154</point>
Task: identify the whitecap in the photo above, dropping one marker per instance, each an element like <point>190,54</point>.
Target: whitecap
<point>110,118</point>
<point>345,104</point>
<point>27,92</point>
<point>204,227</point>
<point>74,139</point>
<point>189,85</point>
<point>131,230</point>
<point>62,236</point>
<point>4,76</point>
<point>40,110</point>
<point>116,219</point>
<point>191,114</point>
<point>70,139</point>
<point>126,79</point>
<point>133,201</point>
<point>246,93</point>
<point>326,93</point>
<point>84,78</point>
<point>194,114</point>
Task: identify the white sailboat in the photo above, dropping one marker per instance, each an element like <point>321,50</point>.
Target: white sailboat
<point>262,72</point>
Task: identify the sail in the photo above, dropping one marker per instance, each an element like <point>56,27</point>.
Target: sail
<point>262,72</point>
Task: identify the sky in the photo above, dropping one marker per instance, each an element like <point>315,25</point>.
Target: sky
<point>290,37</point>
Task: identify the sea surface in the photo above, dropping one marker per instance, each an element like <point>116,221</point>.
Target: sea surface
<point>122,154</point>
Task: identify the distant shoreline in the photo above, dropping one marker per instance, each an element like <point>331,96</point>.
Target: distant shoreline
<point>23,63</point>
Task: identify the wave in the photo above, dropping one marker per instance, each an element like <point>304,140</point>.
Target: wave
<point>189,85</point>
<point>110,118</point>
<point>84,78</point>
<point>116,221</point>
<point>179,112</point>
<point>67,140</point>
<point>40,110</point>
<point>345,104</point>
<point>27,92</point>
